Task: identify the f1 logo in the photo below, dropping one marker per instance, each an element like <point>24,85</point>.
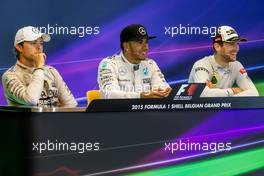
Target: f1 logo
<point>182,89</point>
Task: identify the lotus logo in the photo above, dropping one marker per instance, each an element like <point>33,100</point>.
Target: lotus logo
<point>230,32</point>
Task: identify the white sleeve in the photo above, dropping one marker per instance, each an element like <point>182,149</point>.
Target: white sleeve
<point>245,83</point>
<point>158,79</point>
<point>16,91</point>
<point>65,96</point>
<point>216,92</point>
<point>108,82</point>
<point>200,74</point>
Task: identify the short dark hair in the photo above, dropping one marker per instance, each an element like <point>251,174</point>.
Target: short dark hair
<point>122,47</point>
<point>16,52</point>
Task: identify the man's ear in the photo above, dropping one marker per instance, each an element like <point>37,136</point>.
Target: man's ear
<point>19,47</point>
<point>126,46</point>
<point>217,46</point>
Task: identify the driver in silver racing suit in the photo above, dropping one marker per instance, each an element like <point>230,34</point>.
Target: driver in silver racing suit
<point>30,82</point>
<point>131,74</point>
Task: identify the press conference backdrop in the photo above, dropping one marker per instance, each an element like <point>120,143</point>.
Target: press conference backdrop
<point>84,32</point>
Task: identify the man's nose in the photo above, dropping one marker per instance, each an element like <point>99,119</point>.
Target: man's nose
<point>39,46</point>
<point>237,47</point>
<point>145,46</point>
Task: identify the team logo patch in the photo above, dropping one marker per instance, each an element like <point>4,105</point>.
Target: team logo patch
<point>53,84</point>
<point>230,32</point>
<point>35,30</point>
<point>104,65</point>
<point>122,71</point>
<point>201,69</point>
<point>142,31</point>
<point>145,71</point>
<point>146,81</point>
<point>227,71</point>
<point>242,71</point>
<point>214,79</point>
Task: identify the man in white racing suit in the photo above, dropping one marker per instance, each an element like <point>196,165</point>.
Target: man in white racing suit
<point>131,74</point>
<point>30,82</point>
<point>221,71</point>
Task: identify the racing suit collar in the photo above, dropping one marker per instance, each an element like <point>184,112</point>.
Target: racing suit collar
<point>216,65</point>
<point>126,61</point>
<point>28,69</point>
